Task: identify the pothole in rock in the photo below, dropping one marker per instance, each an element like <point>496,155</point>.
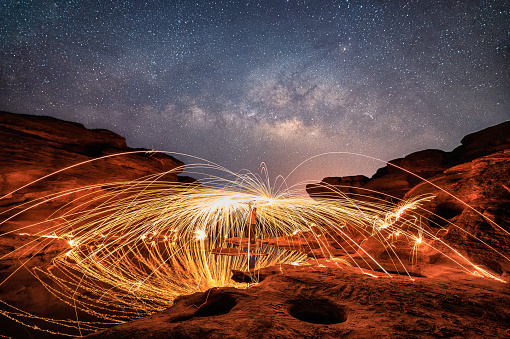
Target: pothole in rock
<point>216,304</point>
<point>317,311</point>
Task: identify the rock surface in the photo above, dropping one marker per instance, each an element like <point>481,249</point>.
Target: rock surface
<point>32,147</point>
<point>473,202</point>
<point>36,146</point>
<point>471,188</point>
<point>330,302</point>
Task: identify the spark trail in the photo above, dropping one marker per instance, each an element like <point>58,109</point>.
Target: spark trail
<point>133,247</point>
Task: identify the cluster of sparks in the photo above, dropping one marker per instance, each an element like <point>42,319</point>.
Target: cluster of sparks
<point>133,247</point>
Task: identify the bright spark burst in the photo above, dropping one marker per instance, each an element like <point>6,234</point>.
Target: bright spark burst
<point>137,246</point>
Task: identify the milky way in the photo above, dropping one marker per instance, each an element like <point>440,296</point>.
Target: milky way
<point>245,82</point>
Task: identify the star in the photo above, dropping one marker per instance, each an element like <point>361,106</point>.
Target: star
<point>241,83</point>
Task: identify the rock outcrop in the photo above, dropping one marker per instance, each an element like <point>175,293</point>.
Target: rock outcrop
<point>321,298</point>
<point>399,176</point>
<point>348,185</point>
<point>36,146</point>
<point>325,301</point>
<point>388,183</point>
<point>471,188</point>
<point>473,203</point>
<point>32,147</point>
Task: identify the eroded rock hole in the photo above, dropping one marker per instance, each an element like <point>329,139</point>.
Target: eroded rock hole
<point>446,210</point>
<point>317,311</point>
<point>215,305</point>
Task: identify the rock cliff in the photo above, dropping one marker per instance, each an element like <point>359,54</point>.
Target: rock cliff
<point>36,146</point>
<point>471,188</point>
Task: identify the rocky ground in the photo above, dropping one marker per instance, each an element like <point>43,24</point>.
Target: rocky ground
<point>324,299</point>
<point>327,301</point>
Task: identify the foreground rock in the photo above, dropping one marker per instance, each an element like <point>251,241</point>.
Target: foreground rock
<point>333,302</point>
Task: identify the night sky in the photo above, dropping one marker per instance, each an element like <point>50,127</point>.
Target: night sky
<point>245,82</point>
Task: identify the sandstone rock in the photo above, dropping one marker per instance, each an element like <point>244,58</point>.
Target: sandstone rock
<point>14,246</point>
<point>35,146</point>
<point>475,207</point>
<point>392,182</point>
<point>40,145</point>
<point>398,176</point>
<point>328,301</point>
<point>335,186</point>
<point>471,187</point>
<point>478,144</point>
<point>32,147</point>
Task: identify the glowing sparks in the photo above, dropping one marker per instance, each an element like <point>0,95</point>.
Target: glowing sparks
<point>141,244</point>
<point>200,235</point>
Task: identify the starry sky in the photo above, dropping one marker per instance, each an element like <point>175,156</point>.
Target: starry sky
<point>277,81</point>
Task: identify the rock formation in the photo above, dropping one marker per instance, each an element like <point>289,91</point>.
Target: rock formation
<point>399,176</point>
<point>32,147</point>
<point>471,188</point>
<point>328,302</point>
<point>36,146</point>
<point>321,298</point>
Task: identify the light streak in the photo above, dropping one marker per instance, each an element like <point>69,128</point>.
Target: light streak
<point>138,245</point>
<point>200,234</point>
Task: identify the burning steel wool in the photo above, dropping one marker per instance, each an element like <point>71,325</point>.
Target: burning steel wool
<point>133,247</point>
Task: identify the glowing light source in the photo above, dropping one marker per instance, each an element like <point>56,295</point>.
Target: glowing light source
<point>139,245</point>
<point>200,235</point>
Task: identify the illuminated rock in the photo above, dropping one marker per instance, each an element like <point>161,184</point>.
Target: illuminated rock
<point>326,301</point>
<point>477,174</point>
<point>35,146</point>
<point>474,203</point>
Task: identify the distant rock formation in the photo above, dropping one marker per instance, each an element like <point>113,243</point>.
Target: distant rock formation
<point>349,185</point>
<point>34,146</point>
<point>395,182</point>
<point>477,174</point>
